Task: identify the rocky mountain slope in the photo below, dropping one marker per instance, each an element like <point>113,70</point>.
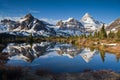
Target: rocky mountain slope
<point>114,26</point>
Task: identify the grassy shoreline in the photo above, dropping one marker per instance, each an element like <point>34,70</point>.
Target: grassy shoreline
<point>107,45</point>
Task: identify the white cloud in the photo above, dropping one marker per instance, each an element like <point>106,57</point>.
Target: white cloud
<point>51,21</point>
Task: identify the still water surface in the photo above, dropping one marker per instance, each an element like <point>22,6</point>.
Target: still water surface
<point>59,58</point>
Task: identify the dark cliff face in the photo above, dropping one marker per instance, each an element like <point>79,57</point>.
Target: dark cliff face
<point>114,25</point>
<point>31,22</point>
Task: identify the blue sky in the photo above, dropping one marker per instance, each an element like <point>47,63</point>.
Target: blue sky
<point>103,10</point>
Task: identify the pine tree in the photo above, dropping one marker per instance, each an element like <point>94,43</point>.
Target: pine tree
<point>111,35</point>
<point>84,35</point>
<point>31,39</point>
<point>90,35</point>
<point>118,34</point>
<point>95,34</point>
<point>103,33</point>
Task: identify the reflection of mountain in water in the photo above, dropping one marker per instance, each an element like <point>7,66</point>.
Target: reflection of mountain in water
<point>87,55</point>
<point>66,50</point>
<point>28,53</point>
<point>25,51</point>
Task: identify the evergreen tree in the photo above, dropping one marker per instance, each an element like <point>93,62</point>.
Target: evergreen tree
<point>31,39</point>
<point>111,35</point>
<point>84,35</point>
<point>103,33</point>
<point>95,34</point>
<point>118,34</point>
<point>90,35</point>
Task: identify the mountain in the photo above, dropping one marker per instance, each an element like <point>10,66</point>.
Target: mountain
<point>75,27</point>
<point>70,26</point>
<point>26,25</point>
<point>10,24</point>
<point>33,25</point>
<point>29,24</point>
<point>3,28</point>
<point>114,26</point>
<point>71,23</point>
<point>90,24</point>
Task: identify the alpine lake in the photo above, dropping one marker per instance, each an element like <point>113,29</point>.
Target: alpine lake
<point>59,57</point>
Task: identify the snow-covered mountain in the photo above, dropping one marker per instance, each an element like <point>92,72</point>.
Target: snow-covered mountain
<point>10,24</point>
<point>70,26</point>
<point>28,24</point>
<point>71,23</point>
<point>90,24</point>
<point>75,27</point>
<point>3,28</point>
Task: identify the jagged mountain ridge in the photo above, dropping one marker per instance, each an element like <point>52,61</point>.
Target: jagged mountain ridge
<point>28,24</point>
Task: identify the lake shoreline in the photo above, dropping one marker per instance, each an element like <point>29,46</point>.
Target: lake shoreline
<point>104,45</point>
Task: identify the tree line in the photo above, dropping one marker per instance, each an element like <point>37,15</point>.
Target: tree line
<point>102,34</point>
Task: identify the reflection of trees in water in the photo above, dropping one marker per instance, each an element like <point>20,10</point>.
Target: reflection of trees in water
<point>3,58</point>
<point>2,46</point>
<point>117,57</point>
<point>102,54</point>
<point>92,49</point>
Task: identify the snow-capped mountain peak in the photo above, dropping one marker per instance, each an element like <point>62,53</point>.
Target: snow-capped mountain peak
<point>29,16</point>
<point>70,19</point>
<point>87,18</point>
<point>87,15</point>
<point>26,17</point>
<point>90,23</point>
<point>28,24</point>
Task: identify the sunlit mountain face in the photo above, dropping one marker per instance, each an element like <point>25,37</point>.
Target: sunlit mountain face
<point>57,57</point>
<point>30,24</point>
